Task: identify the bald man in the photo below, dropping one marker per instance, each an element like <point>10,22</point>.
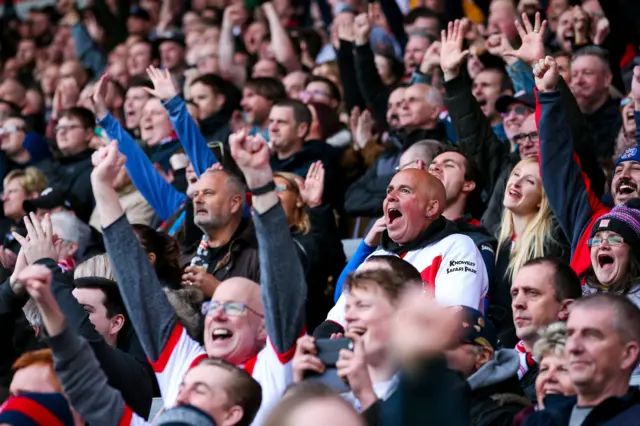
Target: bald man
<point>450,264</point>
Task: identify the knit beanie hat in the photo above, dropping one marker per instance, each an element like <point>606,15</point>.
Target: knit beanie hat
<point>184,415</point>
<point>631,154</point>
<point>623,219</point>
<point>36,409</point>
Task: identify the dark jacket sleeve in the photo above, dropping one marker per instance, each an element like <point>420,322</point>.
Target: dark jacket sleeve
<point>584,142</point>
<point>475,134</point>
<point>568,189</point>
<point>365,196</point>
<point>284,289</point>
<point>352,96</point>
<point>124,372</point>
<point>431,395</point>
<point>395,19</point>
<point>375,93</point>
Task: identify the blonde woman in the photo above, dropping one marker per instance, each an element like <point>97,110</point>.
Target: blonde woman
<point>314,231</point>
<point>528,230</point>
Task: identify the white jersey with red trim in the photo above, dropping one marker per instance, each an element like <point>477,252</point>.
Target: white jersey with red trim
<point>452,266</point>
<point>269,368</point>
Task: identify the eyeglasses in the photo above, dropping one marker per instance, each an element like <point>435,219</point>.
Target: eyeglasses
<point>533,137</point>
<point>10,129</point>
<point>625,102</point>
<point>67,128</point>
<point>232,309</point>
<point>281,188</point>
<point>612,241</point>
<point>519,110</point>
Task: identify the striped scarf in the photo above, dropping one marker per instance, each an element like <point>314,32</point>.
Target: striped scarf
<point>526,359</point>
<point>67,264</point>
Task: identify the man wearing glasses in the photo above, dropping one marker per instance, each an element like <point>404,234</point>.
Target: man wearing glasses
<point>20,147</point>
<point>71,171</point>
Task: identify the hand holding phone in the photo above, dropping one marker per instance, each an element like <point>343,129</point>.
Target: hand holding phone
<point>321,360</point>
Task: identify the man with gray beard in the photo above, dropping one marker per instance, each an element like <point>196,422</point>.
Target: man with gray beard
<point>228,247</point>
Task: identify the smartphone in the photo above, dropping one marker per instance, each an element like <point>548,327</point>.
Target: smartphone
<point>328,353</point>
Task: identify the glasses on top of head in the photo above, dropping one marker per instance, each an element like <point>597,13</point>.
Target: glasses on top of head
<point>613,240</point>
<point>231,309</point>
<point>533,137</point>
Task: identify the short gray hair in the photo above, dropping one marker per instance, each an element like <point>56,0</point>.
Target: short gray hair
<point>234,185</point>
<point>69,228</point>
<point>434,97</point>
<point>596,51</point>
<point>32,314</point>
<point>551,341</point>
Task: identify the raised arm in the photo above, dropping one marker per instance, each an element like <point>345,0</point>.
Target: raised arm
<point>83,381</point>
<point>151,314</point>
<point>164,199</point>
<point>568,189</point>
<point>231,18</point>
<point>476,137</point>
<point>280,40</point>
<point>188,132</point>
<point>282,278</point>
<point>165,341</point>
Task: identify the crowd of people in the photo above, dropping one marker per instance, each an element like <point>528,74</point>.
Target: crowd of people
<point>312,212</point>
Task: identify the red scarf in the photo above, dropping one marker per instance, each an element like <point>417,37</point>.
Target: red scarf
<point>67,264</point>
<point>526,359</point>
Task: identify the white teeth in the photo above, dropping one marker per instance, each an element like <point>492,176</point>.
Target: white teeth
<point>221,332</point>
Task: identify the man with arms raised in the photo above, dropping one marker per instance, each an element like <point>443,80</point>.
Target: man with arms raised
<point>603,346</point>
<point>450,264</point>
<point>251,326</point>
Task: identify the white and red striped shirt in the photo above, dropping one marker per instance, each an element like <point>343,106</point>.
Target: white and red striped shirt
<point>271,369</point>
<point>452,267</point>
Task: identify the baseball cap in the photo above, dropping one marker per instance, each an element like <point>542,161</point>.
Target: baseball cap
<point>170,35</point>
<point>521,97</point>
<point>476,329</point>
<point>51,198</point>
<point>184,415</point>
<point>138,12</point>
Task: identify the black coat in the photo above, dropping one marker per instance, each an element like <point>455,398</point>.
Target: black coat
<point>73,173</point>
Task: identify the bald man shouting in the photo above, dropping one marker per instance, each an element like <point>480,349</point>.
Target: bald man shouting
<point>450,264</point>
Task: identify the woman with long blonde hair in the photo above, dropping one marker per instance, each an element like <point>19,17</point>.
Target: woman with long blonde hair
<point>528,230</point>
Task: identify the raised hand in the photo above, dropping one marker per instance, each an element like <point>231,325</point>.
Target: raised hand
<point>39,242</point>
<point>99,97</point>
<point>532,48</point>
<point>163,85</point>
<point>546,74</point>
<point>362,27</point>
<point>635,87</point>
<point>37,281</point>
<point>498,44</point>
<point>364,129</point>
<point>373,236</point>
<point>451,53</point>
<point>580,19</point>
<point>251,154</point>
<point>603,28</point>
<point>431,58</point>
<point>107,162</point>
<point>346,31</point>
<point>312,189</point>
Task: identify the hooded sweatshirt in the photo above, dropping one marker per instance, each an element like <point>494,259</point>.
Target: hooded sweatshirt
<point>496,396</point>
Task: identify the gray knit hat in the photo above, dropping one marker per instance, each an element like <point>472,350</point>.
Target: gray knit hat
<point>184,415</point>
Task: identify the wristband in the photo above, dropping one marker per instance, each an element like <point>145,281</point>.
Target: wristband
<point>265,189</point>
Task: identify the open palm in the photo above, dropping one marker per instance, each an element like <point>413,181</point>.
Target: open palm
<point>532,48</point>
<point>451,53</point>
<point>163,86</point>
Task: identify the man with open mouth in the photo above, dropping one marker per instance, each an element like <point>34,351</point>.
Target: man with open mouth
<point>450,264</point>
